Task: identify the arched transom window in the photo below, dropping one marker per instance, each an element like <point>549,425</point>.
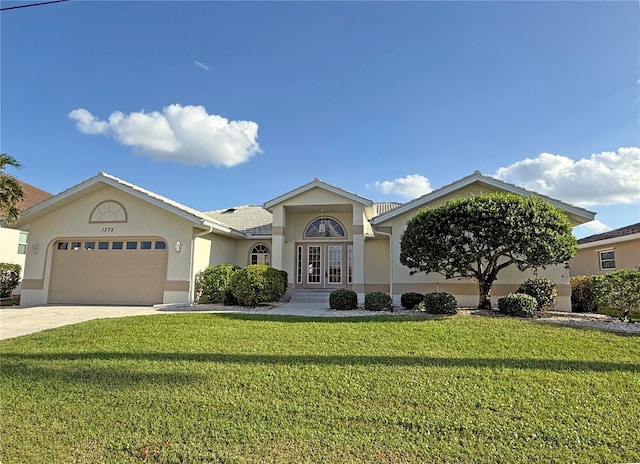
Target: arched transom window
<point>324,227</point>
<point>260,255</point>
<point>108,211</point>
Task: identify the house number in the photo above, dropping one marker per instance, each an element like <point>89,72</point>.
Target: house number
<point>108,229</point>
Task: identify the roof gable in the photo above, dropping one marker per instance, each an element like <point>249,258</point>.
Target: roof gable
<point>317,183</point>
<point>99,181</point>
<point>578,215</point>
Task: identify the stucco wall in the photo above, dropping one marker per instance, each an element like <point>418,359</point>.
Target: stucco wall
<point>72,220</point>
<point>587,259</point>
<point>9,239</point>
<point>376,265</point>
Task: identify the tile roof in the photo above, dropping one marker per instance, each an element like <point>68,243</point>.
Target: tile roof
<point>621,232</point>
<point>384,207</point>
<point>32,195</point>
<point>252,220</point>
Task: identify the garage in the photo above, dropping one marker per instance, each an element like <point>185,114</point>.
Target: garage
<point>115,271</point>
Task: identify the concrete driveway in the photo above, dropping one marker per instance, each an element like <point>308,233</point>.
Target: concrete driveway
<point>16,321</point>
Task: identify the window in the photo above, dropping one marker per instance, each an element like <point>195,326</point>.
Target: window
<point>607,260</point>
<point>89,245</point>
<point>260,255</point>
<point>349,264</point>
<point>22,243</point>
<point>116,246</point>
<point>299,266</point>
<point>161,245</point>
<point>145,245</point>
<point>324,227</point>
<point>132,245</point>
<point>63,245</point>
<point>75,245</point>
<point>103,245</point>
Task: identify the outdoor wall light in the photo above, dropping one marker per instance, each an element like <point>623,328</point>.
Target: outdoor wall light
<point>35,247</point>
<point>178,246</point>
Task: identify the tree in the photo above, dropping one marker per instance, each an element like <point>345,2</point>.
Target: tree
<point>479,236</point>
<point>618,290</point>
<point>11,193</point>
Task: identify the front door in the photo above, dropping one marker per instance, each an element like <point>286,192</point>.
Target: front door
<point>322,265</point>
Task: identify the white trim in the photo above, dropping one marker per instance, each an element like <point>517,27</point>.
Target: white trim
<point>609,241</point>
<point>316,183</point>
<point>478,177</point>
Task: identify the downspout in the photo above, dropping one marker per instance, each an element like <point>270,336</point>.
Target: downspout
<point>390,259</point>
<point>192,285</point>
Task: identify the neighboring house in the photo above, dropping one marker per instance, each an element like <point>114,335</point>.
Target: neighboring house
<point>609,251</point>
<point>111,242</point>
<point>13,243</point>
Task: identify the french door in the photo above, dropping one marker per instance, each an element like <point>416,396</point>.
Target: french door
<point>323,265</point>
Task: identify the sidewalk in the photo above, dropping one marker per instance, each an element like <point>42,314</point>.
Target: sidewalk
<point>16,320</point>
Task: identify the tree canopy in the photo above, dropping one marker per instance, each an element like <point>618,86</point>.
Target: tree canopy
<point>11,193</point>
<point>479,236</point>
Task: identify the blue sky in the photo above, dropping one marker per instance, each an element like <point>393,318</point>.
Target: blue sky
<point>219,104</point>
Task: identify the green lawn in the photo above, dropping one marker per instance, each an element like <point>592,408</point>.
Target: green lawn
<point>236,388</point>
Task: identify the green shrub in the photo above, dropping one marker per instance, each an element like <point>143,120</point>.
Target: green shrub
<point>440,303</point>
<point>285,278</point>
<point>343,299</point>
<point>518,304</point>
<point>9,278</point>
<point>411,300</point>
<point>212,283</point>
<point>543,289</point>
<point>582,298</point>
<point>378,301</point>
<point>619,290</point>
<point>256,284</point>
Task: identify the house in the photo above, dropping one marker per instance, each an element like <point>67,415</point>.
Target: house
<point>111,242</point>
<point>13,242</point>
<point>609,251</point>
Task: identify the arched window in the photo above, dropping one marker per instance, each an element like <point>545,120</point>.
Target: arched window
<point>108,211</point>
<point>260,255</point>
<point>324,227</point>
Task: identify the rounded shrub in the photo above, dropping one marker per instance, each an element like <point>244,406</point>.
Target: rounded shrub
<point>583,299</point>
<point>212,283</point>
<point>256,284</point>
<point>9,278</point>
<point>285,278</point>
<point>440,303</point>
<point>544,290</point>
<point>411,300</point>
<point>518,304</point>
<point>343,299</point>
<point>378,301</point>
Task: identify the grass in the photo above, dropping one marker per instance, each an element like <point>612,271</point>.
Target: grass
<point>248,388</point>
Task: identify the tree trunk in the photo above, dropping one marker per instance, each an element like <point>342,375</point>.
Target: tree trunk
<point>484,290</point>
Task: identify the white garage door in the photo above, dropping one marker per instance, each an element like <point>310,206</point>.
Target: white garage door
<point>118,271</point>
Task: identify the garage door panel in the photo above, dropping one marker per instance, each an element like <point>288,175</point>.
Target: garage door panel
<point>111,276</point>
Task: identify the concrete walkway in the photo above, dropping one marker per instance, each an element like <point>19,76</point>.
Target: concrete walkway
<point>16,320</point>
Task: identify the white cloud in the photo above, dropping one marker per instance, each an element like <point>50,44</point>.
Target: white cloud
<point>411,186</point>
<point>201,65</point>
<point>186,134</point>
<point>88,123</point>
<point>602,179</point>
<point>590,228</point>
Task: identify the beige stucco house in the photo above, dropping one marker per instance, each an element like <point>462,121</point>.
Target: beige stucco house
<point>111,242</point>
<point>13,242</point>
<point>608,251</point>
